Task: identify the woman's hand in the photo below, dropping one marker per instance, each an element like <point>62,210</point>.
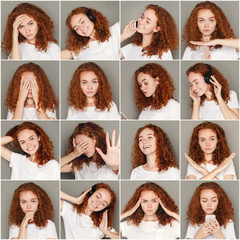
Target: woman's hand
<point>168,212</point>
<point>215,229</point>
<point>79,199</point>
<point>195,165</point>
<point>131,211</point>
<point>224,164</point>
<point>111,158</point>
<point>128,31</point>
<point>196,99</point>
<point>209,43</point>
<point>35,91</point>
<point>24,88</point>
<point>103,226</point>
<point>206,54</point>
<point>217,87</point>
<point>28,218</point>
<point>204,231</point>
<point>79,148</point>
<point>19,19</point>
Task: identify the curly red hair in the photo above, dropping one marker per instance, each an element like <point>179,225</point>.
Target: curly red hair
<point>45,27</point>
<point>75,42</point>
<point>202,69</point>
<point>97,216</point>
<point>164,90</point>
<point>46,95</point>
<point>163,217</point>
<point>163,40</point>
<point>94,131</point>
<point>165,155</point>
<point>102,99</point>
<point>224,212</point>
<point>223,28</point>
<point>222,150</point>
<point>43,213</point>
<point>45,150</point>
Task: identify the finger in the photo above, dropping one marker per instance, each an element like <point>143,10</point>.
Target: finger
<point>118,141</point>
<point>108,140</point>
<point>100,152</point>
<point>74,142</point>
<point>87,191</point>
<point>113,137</point>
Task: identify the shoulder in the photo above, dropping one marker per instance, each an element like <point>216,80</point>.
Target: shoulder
<point>53,45</point>
<point>233,94</point>
<point>173,103</point>
<point>138,169</point>
<point>53,163</point>
<point>50,223</point>
<point>115,28</point>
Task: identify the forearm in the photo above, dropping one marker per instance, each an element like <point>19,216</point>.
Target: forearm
<point>42,114</point>
<point>228,42</point>
<point>67,159</point>
<point>15,54</point>
<point>195,112</point>
<point>123,216</point>
<point>22,231</point>
<point>219,235</point>
<point>123,37</point>
<point>227,112</point>
<point>211,175</point>
<point>18,113</point>
<point>176,216</point>
<point>67,197</point>
<point>66,54</point>
<point>112,235</point>
<point>5,140</point>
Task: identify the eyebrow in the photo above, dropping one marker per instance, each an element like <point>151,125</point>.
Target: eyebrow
<point>27,22</point>
<point>78,22</point>
<point>147,135</point>
<point>147,17</point>
<point>104,200</point>
<point>30,199</point>
<point>207,18</point>
<point>149,199</point>
<point>90,80</point>
<point>28,138</point>
<point>210,198</point>
<point>209,137</point>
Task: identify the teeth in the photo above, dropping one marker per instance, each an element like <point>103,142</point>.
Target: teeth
<point>85,30</point>
<point>94,204</point>
<point>140,26</point>
<point>146,147</point>
<point>29,149</point>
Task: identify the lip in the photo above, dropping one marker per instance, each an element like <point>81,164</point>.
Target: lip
<point>90,92</point>
<point>29,211</point>
<point>208,149</point>
<point>94,205</point>
<point>209,209</point>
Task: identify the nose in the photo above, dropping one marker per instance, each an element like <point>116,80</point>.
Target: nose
<point>90,87</point>
<point>206,24</point>
<point>209,204</point>
<point>207,143</point>
<point>28,144</point>
<point>27,29</point>
<point>149,205</point>
<point>29,206</point>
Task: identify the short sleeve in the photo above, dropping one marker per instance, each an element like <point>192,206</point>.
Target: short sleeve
<point>230,170</point>
<point>66,209</point>
<point>229,231</point>
<point>190,171</point>
<point>125,50</point>
<point>133,175</point>
<point>51,230</point>
<point>175,110</point>
<point>233,102</point>
<point>70,114</point>
<point>15,159</point>
<point>10,115</point>
<point>55,170</point>
<point>13,231</point>
<point>123,226</point>
<point>190,232</point>
<point>51,114</point>
<point>174,173</point>
<point>113,112</point>
<point>187,54</point>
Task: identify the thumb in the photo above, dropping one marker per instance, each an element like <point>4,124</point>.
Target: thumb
<point>100,152</point>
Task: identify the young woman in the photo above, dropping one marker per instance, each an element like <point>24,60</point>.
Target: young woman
<point>208,34</point>
<point>29,34</point>
<point>30,95</point>
<point>151,214</point>
<point>153,38</point>
<point>209,155</point>
<point>37,160</point>
<point>90,37</point>
<point>89,94</point>
<point>90,215</point>
<point>210,94</point>
<point>91,154</point>
<point>152,155</point>
<point>31,214</point>
<point>153,92</point>
<point>210,214</point>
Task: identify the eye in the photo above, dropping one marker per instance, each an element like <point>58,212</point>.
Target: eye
<point>104,204</point>
<point>140,139</point>
<point>200,20</point>
<point>144,201</point>
<point>23,142</point>
<point>214,201</point>
<point>20,26</point>
<point>83,22</point>
<point>32,138</point>
<point>212,20</point>
<point>97,196</point>
<point>95,81</point>
<point>204,201</point>
<point>33,201</point>
<point>22,202</point>
<point>149,137</point>
<point>212,139</point>
<point>31,23</point>
<point>84,82</point>
<point>154,200</point>
<point>147,22</point>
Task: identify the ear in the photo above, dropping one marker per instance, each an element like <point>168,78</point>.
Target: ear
<point>157,80</point>
<point>156,29</point>
<point>74,142</point>
<point>39,139</point>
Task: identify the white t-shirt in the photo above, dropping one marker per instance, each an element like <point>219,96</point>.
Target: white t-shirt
<point>210,110</point>
<point>150,230</point>
<point>28,51</point>
<point>24,169</point>
<point>140,173</point>
<point>34,232</point>
<point>31,114</point>
<point>78,226</point>
<point>131,51</point>
<point>230,170</point>
<point>228,232</point>
<point>170,111</point>
<point>223,53</point>
<point>93,113</point>
<point>92,172</point>
<point>102,50</point>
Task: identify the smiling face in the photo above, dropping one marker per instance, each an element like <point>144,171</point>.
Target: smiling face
<point>81,24</point>
<point>29,29</point>
<point>89,83</point>
<point>206,22</point>
<point>207,140</point>
<point>28,141</point>
<point>28,75</point>
<point>147,23</point>
<point>147,84</point>
<point>147,141</point>
<point>28,201</point>
<point>91,143</point>
<point>99,200</point>
<point>197,84</point>
<point>149,202</point>
<point>209,201</point>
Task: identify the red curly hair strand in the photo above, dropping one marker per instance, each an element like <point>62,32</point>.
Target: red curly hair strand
<point>165,155</point>
<point>222,150</point>
<point>202,69</point>
<point>163,217</point>
<point>223,28</point>
<point>45,207</point>
<point>164,90</point>
<point>45,150</point>
<point>46,95</point>
<point>77,43</point>
<point>224,212</point>
<point>102,99</point>
<point>163,40</point>
<point>94,131</point>
<point>45,27</point>
<point>97,216</point>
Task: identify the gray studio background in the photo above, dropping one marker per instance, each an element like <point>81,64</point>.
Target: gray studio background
<point>50,7</point>
<point>231,129</point>
<point>110,9</point>
<point>111,69</point>
<point>75,188</point>
<point>187,189</point>
<point>229,69</point>
<point>230,8</point>
<point>128,68</point>
<point>133,10</point>
<point>51,68</point>
<point>171,187</point>
<point>67,128</point>
<point>50,127</point>
<point>7,190</point>
<point>129,129</point>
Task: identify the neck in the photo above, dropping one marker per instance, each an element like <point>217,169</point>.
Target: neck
<point>151,163</point>
<point>151,218</point>
<point>32,158</point>
<point>146,40</point>
<point>206,38</point>
<point>33,41</point>
<point>91,102</point>
<point>208,157</point>
<point>208,94</point>
<point>87,211</point>
<point>29,103</point>
<point>92,36</point>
